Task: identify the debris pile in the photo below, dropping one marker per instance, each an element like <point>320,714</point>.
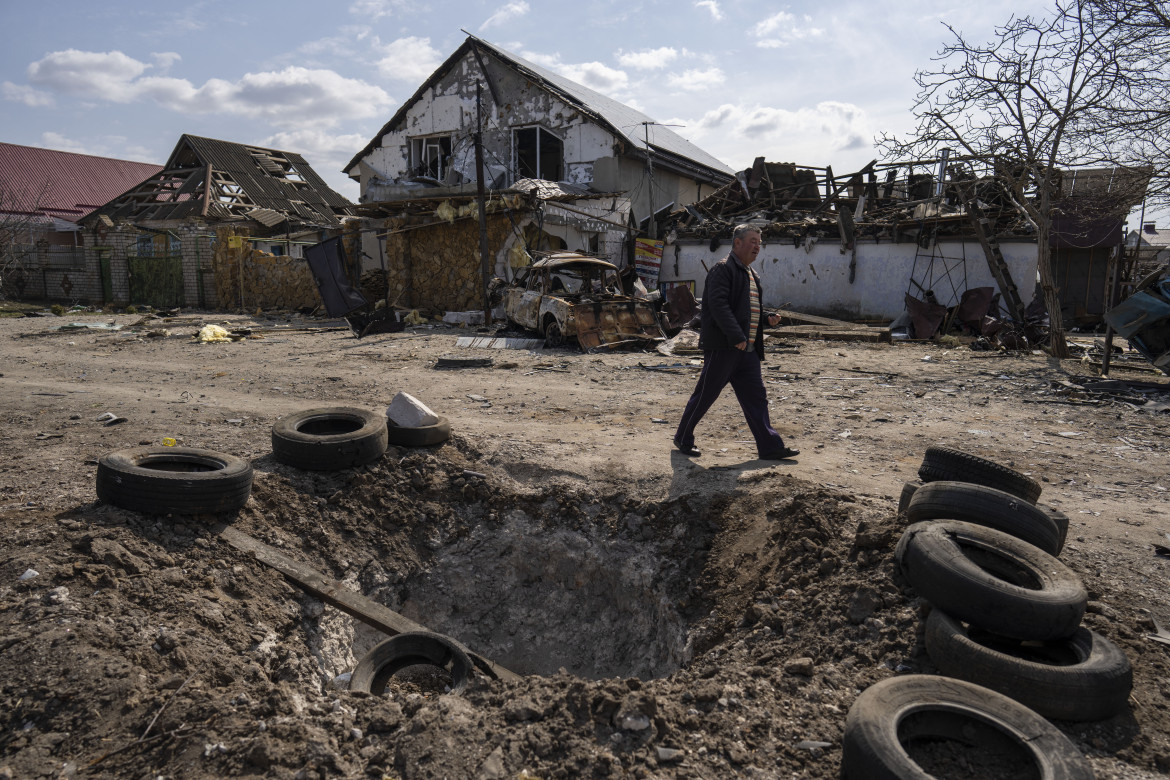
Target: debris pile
<point>802,203</point>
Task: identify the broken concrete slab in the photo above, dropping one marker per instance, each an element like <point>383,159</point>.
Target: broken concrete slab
<point>408,412</point>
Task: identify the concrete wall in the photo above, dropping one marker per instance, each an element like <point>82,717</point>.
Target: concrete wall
<point>816,280</point>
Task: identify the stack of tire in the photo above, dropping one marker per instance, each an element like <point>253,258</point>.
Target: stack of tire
<point>1005,624</point>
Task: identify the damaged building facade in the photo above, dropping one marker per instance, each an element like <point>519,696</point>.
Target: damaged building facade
<point>596,168</point>
<point>222,225</point>
<point>857,246</point>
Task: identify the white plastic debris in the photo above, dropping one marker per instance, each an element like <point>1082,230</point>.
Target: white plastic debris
<point>29,574</point>
<point>408,412</point>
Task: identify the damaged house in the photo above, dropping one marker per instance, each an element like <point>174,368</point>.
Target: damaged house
<point>222,225</point>
<point>567,169</point>
<point>43,195</point>
<point>872,244</point>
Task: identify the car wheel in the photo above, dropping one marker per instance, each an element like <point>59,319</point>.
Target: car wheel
<point>179,480</point>
<point>991,579</point>
<point>329,439</point>
<point>553,337</point>
<point>893,718</point>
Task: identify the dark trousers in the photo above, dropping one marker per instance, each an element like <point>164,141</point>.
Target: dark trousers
<point>742,370</point>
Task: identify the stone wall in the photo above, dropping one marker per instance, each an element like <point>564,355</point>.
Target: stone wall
<point>247,279</point>
<point>435,267</point>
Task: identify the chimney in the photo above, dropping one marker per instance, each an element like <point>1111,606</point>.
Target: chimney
<point>1149,227</point>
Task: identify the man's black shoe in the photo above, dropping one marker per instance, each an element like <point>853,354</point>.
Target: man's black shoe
<point>694,453</point>
<point>783,454</point>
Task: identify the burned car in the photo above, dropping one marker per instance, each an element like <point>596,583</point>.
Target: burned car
<point>566,296</point>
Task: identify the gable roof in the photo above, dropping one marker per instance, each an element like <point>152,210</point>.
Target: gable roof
<point>65,185</point>
<point>226,181</point>
<point>666,147</point>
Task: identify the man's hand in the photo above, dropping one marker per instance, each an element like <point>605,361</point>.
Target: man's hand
<point>742,346</point>
<point>773,319</point>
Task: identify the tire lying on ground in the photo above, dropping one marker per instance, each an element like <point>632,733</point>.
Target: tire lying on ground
<point>947,463</point>
<point>985,506</point>
<point>178,480</point>
<point>328,439</point>
<point>1059,519</point>
<point>908,491</point>
<point>1083,677</point>
<point>422,436</point>
<point>393,655</point>
<point>991,579</point>
<point>890,718</point>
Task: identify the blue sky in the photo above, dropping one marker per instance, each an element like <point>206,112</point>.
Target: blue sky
<point>804,82</point>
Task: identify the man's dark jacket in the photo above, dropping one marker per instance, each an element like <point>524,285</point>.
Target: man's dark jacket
<point>727,307</point>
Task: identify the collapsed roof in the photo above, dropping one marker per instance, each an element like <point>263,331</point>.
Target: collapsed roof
<point>221,181</point>
<point>896,201</point>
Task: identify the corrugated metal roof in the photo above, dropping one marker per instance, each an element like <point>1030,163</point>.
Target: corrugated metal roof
<point>241,180</point>
<point>620,118</point>
<point>65,185</point>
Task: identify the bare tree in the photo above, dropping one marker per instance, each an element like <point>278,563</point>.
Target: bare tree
<point>19,222</point>
<point>1061,91</point>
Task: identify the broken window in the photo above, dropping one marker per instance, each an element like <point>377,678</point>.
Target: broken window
<point>538,153</point>
<point>430,156</point>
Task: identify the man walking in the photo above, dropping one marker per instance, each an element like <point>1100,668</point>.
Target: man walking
<point>732,338</point>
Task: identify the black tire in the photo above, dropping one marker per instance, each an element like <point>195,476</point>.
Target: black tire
<point>176,480</point>
<point>946,463</point>
<point>1060,519</point>
<point>1083,677</point>
<point>901,712</point>
<point>985,506</point>
<point>991,579</point>
<point>423,436</point>
<point>908,491</point>
<point>328,439</point>
<point>410,649</point>
<point>553,335</point>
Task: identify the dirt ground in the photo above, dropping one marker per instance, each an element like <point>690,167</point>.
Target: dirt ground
<point>673,617</point>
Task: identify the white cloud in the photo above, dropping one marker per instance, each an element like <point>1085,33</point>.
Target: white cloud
<point>106,75</point>
<point>812,135</point>
<point>647,59</point>
<point>409,59</point>
<point>376,9</point>
<point>695,80</point>
<point>62,143</point>
<point>293,95</point>
<point>506,13</point>
<point>783,28</point>
<point>163,60</point>
<point>713,7</point>
<point>17,93</point>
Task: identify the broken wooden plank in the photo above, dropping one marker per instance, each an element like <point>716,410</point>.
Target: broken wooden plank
<point>812,319</point>
<point>875,335</point>
<point>333,593</point>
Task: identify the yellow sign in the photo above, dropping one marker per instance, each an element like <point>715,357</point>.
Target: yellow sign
<point>235,242</point>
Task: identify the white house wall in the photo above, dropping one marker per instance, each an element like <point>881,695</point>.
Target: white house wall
<point>817,281</point>
<point>591,152</point>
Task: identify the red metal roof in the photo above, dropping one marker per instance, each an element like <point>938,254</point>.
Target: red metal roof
<point>63,184</point>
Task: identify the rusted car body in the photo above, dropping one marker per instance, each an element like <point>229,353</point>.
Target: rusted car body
<point>567,296</point>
